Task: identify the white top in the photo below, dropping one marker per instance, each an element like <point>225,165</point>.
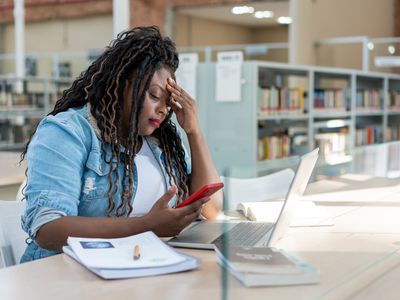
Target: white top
<point>151,183</point>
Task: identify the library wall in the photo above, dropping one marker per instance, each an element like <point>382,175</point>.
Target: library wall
<point>273,34</point>
<point>396,25</point>
<point>42,10</point>
<point>61,36</point>
<point>194,31</point>
<point>319,19</point>
<point>64,35</point>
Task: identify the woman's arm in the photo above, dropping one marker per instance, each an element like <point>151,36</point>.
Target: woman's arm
<point>53,235</point>
<point>162,220</point>
<point>203,169</point>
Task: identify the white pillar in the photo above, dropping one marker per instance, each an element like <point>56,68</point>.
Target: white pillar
<point>121,15</point>
<point>19,23</point>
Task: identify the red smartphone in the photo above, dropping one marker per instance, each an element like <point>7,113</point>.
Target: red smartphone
<point>205,191</point>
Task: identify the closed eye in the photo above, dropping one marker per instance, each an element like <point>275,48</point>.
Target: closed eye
<point>155,97</point>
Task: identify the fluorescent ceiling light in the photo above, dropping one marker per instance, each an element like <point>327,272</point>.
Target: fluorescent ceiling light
<point>240,10</point>
<point>263,14</point>
<point>391,49</point>
<point>284,20</point>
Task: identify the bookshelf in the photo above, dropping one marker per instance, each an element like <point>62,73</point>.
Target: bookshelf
<point>21,112</point>
<point>287,110</point>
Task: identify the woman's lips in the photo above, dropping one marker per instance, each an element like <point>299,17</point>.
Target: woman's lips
<point>155,122</point>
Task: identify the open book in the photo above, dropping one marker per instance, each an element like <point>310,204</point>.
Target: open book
<point>118,258</point>
<point>264,266</point>
<point>306,213</point>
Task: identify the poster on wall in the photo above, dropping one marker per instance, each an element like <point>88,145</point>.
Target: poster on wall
<point>228,76</point>
<point>186,74</point>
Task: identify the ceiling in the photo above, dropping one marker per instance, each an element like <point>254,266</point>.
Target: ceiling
<point>222,13</point>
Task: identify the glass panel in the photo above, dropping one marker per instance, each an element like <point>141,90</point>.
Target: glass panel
<point>357,190</point>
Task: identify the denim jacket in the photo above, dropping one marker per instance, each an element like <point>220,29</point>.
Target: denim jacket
<point>68,176</point>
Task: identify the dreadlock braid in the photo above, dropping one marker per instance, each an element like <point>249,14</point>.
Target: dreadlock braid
<point>137,54</point>
<point>175,158</point>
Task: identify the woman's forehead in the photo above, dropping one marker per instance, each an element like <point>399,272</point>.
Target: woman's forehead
<point>161,75</point>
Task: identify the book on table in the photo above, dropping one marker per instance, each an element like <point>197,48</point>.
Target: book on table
<point>139,255</point>
<point>265,266</point>
<point>306,213</point>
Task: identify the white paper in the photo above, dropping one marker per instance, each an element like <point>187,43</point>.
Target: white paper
<point>228,76</point>
<point>186,74</point>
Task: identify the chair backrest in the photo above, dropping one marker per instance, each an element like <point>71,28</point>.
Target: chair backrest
<point>262,188</point>
<point>12,237</point>
<point>21,190</point>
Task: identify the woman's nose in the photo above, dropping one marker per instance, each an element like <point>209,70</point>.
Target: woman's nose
<point>162,108</point>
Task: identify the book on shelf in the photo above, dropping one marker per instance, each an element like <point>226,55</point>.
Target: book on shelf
<point>331,99</point>
<point>369,135</point>
<point>393,133</point>
<point>264,266</point>
<point>281,100</point>
<point>139,255</point>
<point>394,99</point>
<point>368,99</point>
<point>273,147</point>
<point>306,214</point>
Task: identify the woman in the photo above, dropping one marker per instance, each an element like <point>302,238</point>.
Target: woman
<point>107,161</point>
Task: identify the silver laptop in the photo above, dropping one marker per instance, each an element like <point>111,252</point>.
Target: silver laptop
<point>204,234</point>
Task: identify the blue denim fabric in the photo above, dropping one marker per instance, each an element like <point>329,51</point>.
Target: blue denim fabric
<point>67,174</point>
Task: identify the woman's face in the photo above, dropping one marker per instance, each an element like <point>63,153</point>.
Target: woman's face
<point>155,105</point>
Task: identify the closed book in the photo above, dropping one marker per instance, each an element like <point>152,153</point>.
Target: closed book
<point>303,274</point>
<point>121,257</point>
<point>256,259</point>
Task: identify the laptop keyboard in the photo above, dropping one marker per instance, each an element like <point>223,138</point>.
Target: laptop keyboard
<point>244,234</point>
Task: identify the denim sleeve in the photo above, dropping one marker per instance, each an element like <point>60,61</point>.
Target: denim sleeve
<point>56,158</point>
<point>43,216</point>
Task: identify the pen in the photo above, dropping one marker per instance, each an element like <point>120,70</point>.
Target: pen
<point>136,253</point>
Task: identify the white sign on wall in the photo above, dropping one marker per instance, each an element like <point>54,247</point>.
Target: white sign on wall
<point>228,76</point>
<point>387,61</point>
<point>186,74</point>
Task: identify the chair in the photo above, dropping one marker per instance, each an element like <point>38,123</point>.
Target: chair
<point>262,188</point>
<point>12,237</point>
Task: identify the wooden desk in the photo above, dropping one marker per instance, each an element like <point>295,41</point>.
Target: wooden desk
<point>359,258</point>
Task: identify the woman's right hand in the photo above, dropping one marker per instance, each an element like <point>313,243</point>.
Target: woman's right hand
<point>165,221</point>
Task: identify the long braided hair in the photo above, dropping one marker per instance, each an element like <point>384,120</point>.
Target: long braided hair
<point>137,53</point>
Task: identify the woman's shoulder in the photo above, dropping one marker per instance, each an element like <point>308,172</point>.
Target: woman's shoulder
<point>73,119</point>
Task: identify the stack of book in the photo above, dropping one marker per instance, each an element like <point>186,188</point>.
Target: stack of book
<point>264,266</point>
<point>134,256</point>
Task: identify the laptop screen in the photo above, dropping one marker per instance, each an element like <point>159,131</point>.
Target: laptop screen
<point>295,192</point>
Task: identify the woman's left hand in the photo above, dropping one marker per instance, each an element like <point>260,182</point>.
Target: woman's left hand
<point>184,107</point>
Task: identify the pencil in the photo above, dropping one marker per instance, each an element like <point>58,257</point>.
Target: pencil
<point>136,253</point>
